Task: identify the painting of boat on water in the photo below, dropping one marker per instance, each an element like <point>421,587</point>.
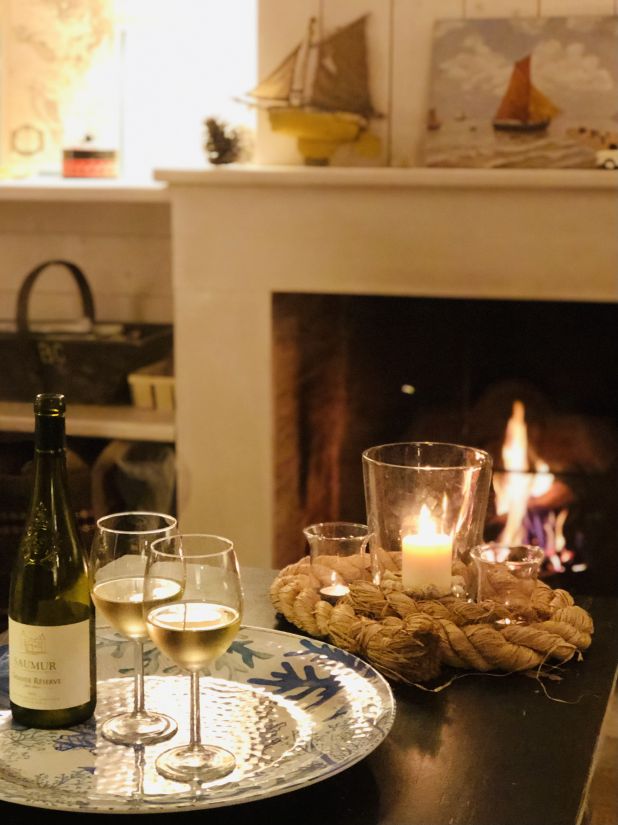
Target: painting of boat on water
<point>522,92</point>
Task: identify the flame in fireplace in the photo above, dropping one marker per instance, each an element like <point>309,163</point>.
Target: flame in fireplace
<point>518,486</point>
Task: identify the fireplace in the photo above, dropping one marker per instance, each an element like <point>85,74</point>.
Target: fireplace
<point>243,235</point>
<point>532,382</point>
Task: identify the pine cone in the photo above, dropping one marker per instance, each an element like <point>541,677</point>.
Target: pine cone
<point>223,145</point>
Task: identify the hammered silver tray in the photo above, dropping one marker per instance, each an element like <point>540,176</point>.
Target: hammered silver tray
<point>293,710</point>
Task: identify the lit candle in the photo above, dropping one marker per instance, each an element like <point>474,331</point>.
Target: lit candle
<point>334,592</point>
<point>426,557</point>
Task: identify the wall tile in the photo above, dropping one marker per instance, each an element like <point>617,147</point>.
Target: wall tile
<point>142,307</point>
<point>128,273</point>
<point>151,220</point>
<point>561,8</point>
<point>121,264</point>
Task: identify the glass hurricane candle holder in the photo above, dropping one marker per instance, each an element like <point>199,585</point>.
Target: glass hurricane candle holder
<point>507,575</point>
<point>337,550</point>
<point>426,505</point>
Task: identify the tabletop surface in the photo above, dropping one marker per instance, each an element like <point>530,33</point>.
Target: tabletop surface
<point>487,750</point>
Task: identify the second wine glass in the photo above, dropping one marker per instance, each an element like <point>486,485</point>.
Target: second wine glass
<point>117,567</point>
<point>193,630</point>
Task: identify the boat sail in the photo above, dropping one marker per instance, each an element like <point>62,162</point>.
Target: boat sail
<point>320,92</point>
<point>524,108</point>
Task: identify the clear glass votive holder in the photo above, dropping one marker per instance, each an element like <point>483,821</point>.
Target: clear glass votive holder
<point>426,506</point>
<point>337,555</point>
<point>507,575</point>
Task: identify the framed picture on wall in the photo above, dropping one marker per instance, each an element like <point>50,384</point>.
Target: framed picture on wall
<point>523,92</point>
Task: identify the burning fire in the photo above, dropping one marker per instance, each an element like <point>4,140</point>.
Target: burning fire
<point>533,504</point>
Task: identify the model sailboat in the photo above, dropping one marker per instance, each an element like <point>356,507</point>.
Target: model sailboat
<point>524,108</point>
<point>320,92</point>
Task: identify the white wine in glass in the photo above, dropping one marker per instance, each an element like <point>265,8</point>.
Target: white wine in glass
<point>193,629</point>
<point>117,567</point>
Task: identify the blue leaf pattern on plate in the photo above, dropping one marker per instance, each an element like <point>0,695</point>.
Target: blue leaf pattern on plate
<point>247,654</point>
<point>334,654</point>
<point>85,737</point>
<point>290,682</point>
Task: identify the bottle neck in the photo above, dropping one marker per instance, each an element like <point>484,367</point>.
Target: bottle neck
<point>49,463</point>
<point>49,436</point>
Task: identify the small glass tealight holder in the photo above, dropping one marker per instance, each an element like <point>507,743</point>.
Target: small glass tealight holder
<point>507,575</point>
<point>338,555</point>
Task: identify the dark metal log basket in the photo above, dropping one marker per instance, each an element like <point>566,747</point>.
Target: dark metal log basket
<point>89,366</point>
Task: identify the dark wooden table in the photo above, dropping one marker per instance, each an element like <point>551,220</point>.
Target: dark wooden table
<point>486,751</point>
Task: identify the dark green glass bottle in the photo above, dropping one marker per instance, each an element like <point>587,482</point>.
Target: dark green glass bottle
<point>52,662</point>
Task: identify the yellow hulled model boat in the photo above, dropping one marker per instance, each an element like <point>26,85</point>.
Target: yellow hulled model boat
<point>320,93</point>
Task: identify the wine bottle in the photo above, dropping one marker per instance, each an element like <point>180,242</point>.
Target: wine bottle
<point>52,663</point>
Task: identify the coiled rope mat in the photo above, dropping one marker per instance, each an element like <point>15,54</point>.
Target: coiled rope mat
<point>409,639</point>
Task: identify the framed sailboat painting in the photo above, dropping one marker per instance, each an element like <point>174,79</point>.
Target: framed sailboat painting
<point>522,92</point>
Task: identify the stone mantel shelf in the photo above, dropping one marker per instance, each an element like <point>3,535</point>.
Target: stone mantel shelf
<point>390,177</point>
<point>157,191</point>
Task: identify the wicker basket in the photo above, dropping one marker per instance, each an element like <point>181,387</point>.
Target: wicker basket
<point>153,387</point>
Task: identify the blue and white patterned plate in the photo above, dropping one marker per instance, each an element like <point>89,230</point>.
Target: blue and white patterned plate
<point>293,710</point>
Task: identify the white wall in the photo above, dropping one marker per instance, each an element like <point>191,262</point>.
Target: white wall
<point>140,74</point>
<point>399,41</point>
<point>184,60</point>
<point>181,61</point>
<point>123,248</point>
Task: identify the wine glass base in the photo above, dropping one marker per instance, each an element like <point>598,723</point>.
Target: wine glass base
<point>138,729</point>
<point>195,763</point>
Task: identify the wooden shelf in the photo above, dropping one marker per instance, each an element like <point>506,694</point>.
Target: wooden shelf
<point>51,189</point>
<point>92,421</point>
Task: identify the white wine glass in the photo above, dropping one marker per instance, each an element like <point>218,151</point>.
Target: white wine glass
<point>117,567</point>
<point>194,629</point>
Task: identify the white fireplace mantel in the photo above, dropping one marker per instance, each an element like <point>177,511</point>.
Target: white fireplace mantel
<point>240,234</point>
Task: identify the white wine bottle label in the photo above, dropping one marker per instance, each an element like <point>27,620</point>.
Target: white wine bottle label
<point>49,666</point>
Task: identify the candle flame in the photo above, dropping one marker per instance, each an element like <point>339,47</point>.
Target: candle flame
<point>426,525</point>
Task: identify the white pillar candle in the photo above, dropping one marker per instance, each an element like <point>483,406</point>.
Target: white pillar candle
<point>426,557</point>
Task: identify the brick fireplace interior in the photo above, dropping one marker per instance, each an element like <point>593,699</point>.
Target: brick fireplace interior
<point>355,371</point>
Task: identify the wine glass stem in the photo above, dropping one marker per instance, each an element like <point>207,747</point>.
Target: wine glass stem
<point>140,762</point>
<point>138,652</point>
<point>196,738</point>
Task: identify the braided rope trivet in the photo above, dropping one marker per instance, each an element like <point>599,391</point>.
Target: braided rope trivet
<point>409,639</point>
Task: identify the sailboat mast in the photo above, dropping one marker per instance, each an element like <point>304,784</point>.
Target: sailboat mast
<point>301,92</point>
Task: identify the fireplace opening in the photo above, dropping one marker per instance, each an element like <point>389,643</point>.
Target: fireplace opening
<point>532,382</point>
